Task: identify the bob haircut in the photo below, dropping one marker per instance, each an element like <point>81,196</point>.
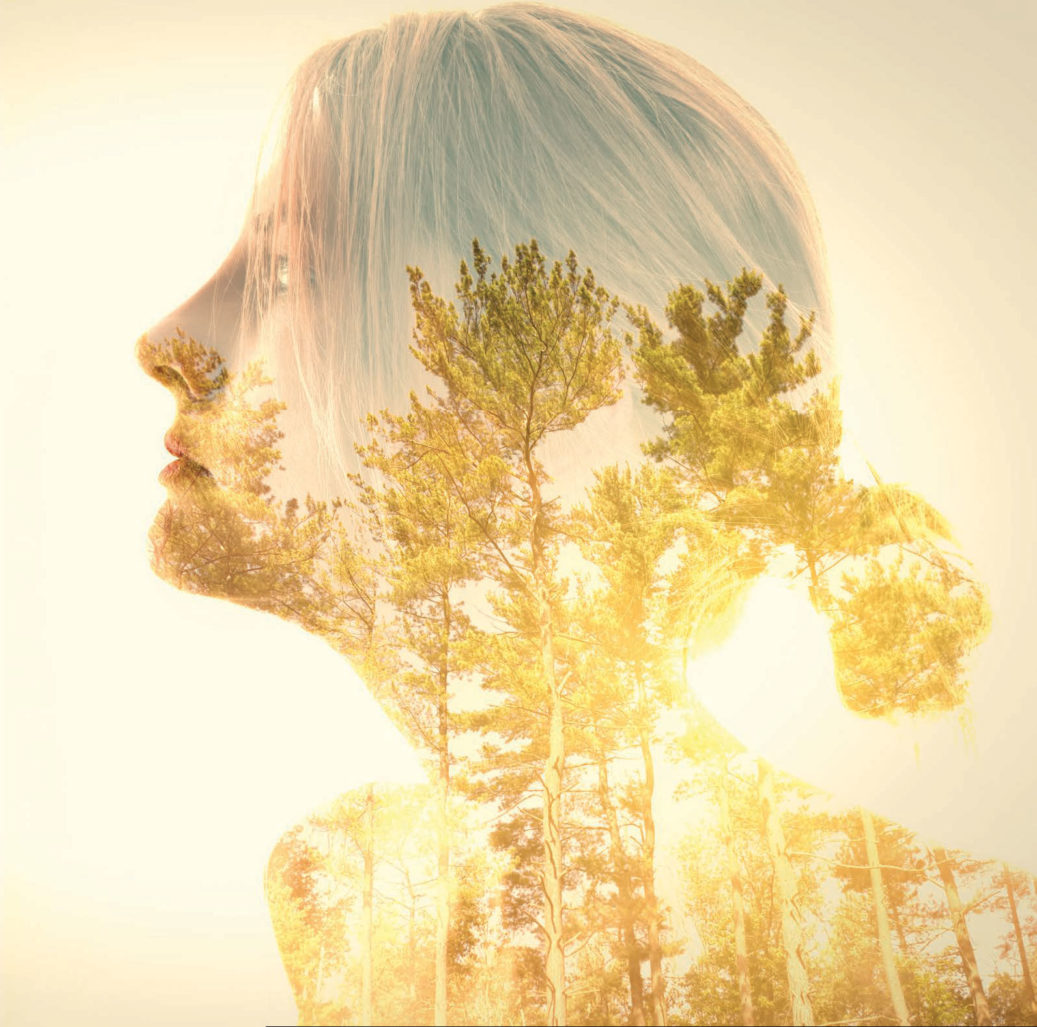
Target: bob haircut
<point>398,146</point>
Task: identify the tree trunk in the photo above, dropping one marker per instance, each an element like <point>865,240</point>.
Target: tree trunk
<point>898,924</point>
<point>443,829</point>
<point>745,991</point>
<point>367,952</point>
<point>1028,996</point>
<point>657,995</point>
<point>625,894</point>
<point>889,965</point>
<point>319,986</point>
<point>412,942</point>
<point>961,932</point>
<point>554,962</point>
<point>791,925</point>
<point>551,873</point>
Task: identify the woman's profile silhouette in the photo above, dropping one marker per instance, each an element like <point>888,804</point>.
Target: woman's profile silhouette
<point>393,149</point>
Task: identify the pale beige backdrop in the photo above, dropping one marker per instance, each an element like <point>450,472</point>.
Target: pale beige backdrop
<point>130,137</point>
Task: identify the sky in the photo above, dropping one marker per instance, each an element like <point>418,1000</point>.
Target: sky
<point>131,135</point>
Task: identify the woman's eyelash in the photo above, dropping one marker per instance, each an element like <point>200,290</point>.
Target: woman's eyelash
<point>282,276</point>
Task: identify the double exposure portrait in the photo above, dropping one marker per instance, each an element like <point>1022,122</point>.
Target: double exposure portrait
<point>577,662</point>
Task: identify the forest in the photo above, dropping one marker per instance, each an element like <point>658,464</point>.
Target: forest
<point>592,847</point>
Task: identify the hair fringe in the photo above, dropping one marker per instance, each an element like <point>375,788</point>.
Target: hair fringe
<point>401,144</point>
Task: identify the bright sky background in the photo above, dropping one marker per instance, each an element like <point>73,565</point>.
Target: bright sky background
<point>130,135</point>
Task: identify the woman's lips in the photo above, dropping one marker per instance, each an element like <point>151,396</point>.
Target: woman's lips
<point>174,444</point>
<point>184,468</point>
<point>183,471</point>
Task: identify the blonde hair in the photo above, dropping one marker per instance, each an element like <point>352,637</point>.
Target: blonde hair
<point>401,144</point>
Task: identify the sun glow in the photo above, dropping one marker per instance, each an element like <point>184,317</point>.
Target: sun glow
<point>772,685</point>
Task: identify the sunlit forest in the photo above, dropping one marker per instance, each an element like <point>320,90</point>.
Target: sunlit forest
<point>591,846</point>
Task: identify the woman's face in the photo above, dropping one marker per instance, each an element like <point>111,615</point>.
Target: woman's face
<point>245,444</point>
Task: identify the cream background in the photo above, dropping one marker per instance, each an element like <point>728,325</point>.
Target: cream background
<point>130,137</point>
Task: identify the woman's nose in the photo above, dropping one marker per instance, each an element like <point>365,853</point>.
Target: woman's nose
<point>187,351</point>
<point>192,372</point>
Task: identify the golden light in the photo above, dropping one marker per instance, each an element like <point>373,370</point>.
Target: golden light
<point>772,685</point>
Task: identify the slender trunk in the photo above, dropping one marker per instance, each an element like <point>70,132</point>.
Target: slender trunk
<point>898,924</point>
<point>815,581</point>
<point>443,828</point>
<point>745,991</point>
<point>1029,1002</point>
<point>657,996</point>
<point>412,942</point>
<point>791,924</point>
<point>961,932</point>
<point>625,894</point>
<point>493,1001</point>
<point>319,986</point>
<point>367,952</point>
<point>552,870</point>
<point>554,962</point>
<point>889,965</point>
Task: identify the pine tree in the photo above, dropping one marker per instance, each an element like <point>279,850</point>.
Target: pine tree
<point>631,520</point>
<point>430,550</point>
<point>527,353</point>
<point>945,866</point>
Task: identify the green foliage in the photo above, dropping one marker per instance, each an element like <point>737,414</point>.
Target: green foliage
<point>710,986</point>
<point>902,633</point>
<point>531,349</point>
<point>904,862</point>
<point>754,440</point>
<point>936,987</point>
<point>308,909</point>
<point>1008,1004</point>
<point>459,572</point>
<point>429,550</point>
<point>725,423</point>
